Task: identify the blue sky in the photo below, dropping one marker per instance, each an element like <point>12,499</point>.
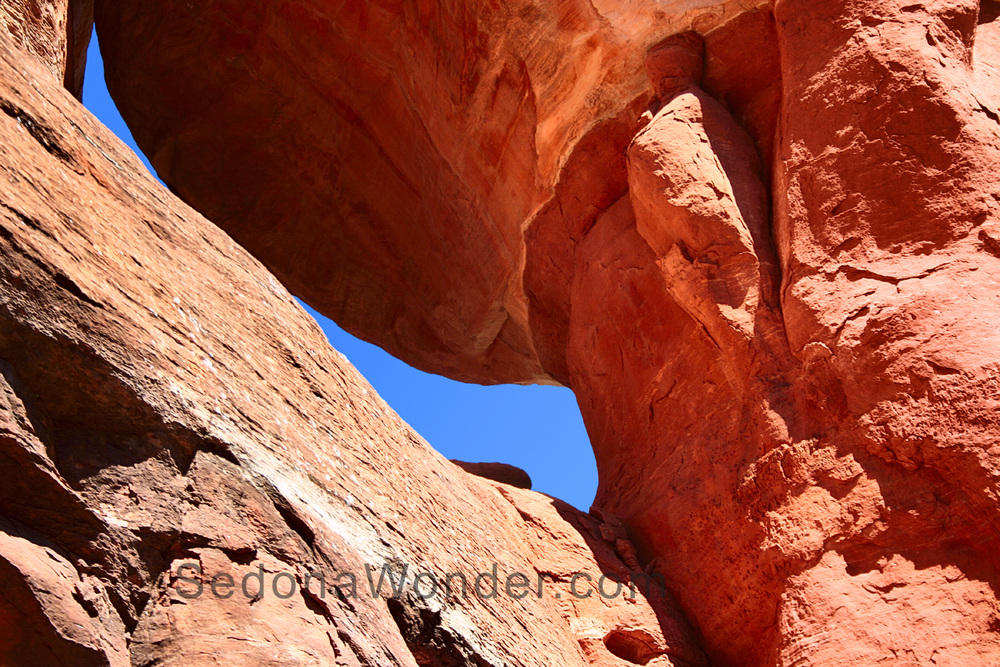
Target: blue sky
<point>535,428</point>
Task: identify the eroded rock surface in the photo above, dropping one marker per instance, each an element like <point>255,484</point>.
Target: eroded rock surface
<point>847,463</point>
<point>772,447</point>
<point>164,402</point>
<point>775,298</point>
<point>498,472</point>
<point>55,32</point>
<point>382,158</point>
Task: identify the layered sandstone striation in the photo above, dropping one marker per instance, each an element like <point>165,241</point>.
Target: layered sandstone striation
<point>164,401</point>
<point>759,242</point>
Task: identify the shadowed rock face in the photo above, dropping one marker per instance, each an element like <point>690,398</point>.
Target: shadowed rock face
<point>774,297</point>
<point>387,181</point>
<point>167,409</point>
<point>498,472</point>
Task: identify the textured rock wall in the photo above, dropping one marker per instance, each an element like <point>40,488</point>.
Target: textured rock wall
<point>382,158</point>
<point>848,444</point>
<point>774,296</point>
<point>55,32</point>
<point>164,400</point>
<point>884,199</point>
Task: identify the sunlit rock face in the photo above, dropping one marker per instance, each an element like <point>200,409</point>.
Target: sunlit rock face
<point>174,425</point>
<point>814,471</point>
<point>759,242</point>
<point>55,33</point>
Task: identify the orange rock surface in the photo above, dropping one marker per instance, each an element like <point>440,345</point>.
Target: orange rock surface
<point>387,183</point>
<point>167,408</point>
<point>759,242</point>
<point>54,32</point>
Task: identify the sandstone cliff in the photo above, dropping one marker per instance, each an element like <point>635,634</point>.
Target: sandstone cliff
<point>164,400</point>
<point>759,241</point>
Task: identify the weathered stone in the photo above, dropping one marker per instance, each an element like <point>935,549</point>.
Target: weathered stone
<point>55,32</point>
<point>700,203</point>
<point>799,433</point>
<point>830,470</point>
<point>49,614</point>
<point>388,182</point>
<point>498,472</point>
<point>169,415</point>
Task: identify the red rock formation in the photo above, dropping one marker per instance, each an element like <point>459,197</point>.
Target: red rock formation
<point>498,472</point>
<point>164,401</point>
<point>833,471</point>
<point>887,179</point>
<point>810,463</point>
<point>855,482</point>
<point>388,182</point>
<point>55,32</point>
